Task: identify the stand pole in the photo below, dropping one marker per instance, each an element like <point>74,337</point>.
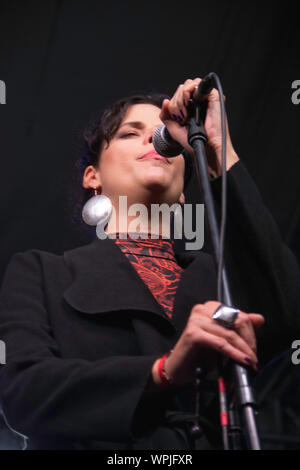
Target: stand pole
<point>197,139</point>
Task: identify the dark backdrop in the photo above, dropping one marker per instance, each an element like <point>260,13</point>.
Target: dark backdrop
<point>63,59</point>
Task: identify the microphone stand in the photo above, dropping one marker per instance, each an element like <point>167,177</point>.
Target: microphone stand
<point>197,139</point>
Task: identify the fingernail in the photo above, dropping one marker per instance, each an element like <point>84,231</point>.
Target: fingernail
<point>181,113</point>
<point>252,363</point>
<point>248,360</point>
<point>174,116</point>
<point>179,117</point>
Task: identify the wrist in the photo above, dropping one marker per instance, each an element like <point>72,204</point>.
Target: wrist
<point>159,374</point>
<point>165,378</point>
<point>156,377</point>
<point>231,159</point>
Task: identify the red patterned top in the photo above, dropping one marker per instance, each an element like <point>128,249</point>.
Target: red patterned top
<point>155,262</point>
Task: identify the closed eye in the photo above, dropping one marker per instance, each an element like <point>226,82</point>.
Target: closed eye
<point>129,134</point>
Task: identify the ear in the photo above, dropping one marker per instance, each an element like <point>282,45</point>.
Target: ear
<point>91,178</point>
<point>181,199</point>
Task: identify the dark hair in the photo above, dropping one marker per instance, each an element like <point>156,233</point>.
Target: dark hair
<point>102,128</point>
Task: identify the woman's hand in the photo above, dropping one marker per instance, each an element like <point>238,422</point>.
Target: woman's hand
<point>174,115</point>
<point>203,337</point>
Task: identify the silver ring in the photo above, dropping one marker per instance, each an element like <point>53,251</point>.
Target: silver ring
<point>225,315</point>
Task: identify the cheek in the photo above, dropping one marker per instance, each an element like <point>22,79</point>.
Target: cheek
<point>113,160</point>
<point>115,168</point>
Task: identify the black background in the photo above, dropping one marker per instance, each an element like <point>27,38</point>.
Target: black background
<point>62,60</point>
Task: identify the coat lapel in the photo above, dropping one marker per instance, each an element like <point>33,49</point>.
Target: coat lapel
<point>197,285</point>
<point>103,280</point>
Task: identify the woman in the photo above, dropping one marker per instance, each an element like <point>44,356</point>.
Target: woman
<point>89,334</point>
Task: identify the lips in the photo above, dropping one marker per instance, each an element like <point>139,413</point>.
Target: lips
<point>155,155</point>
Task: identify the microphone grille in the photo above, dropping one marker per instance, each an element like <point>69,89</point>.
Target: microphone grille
<point>164,144</point>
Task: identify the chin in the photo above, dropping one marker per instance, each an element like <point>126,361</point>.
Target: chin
<point>156,185</point>
<point>156,179</point>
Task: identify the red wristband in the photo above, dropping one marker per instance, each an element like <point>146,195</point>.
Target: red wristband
<point>161,370</point>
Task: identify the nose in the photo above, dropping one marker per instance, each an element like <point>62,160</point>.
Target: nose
<point>149,135</point>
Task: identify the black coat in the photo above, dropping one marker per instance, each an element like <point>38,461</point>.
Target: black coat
<point>82,331</point>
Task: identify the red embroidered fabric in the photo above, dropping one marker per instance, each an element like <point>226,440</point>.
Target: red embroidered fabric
<point>155,262</point>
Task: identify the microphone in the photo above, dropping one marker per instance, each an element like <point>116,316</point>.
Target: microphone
<point>163,143</point>
<point>204,88</point>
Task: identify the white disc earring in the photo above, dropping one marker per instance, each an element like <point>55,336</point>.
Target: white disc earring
<point>97,211</point>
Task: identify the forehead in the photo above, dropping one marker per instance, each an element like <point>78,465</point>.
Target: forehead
<point>146,113</point>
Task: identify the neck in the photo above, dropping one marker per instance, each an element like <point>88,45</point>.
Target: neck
<point>151,218</point>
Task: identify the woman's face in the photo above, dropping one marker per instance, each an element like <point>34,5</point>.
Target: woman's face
<point>122,170</point>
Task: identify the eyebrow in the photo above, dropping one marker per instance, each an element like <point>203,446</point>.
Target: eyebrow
<point>136,124</point>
